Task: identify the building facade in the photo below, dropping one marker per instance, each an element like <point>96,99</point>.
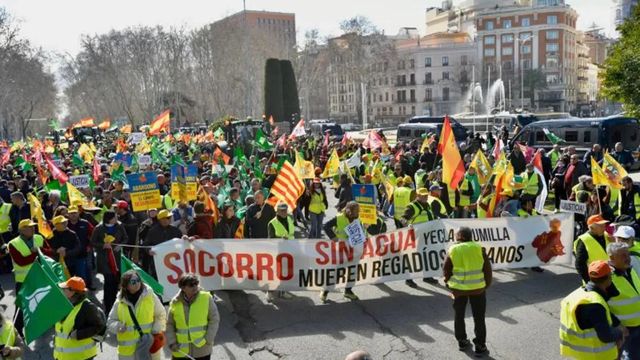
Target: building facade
<point>540,37</point>
<point>622,10</point>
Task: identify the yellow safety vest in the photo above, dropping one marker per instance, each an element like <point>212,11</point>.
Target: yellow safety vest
<point>420,213</point>
<point>195,331</point>
<point>281,232</point>
<point>523,214</point>
<point>67,348</point>
<point>626,306</point>
<point>128,339</point>
<point>580,343</point>
<point>7,334</point>
<point>554,156</point>
<point>465,200</point>
<point>167,202</point>
<point>341,223</point>
<point>579,189</point>
<point>484,200</point>
<point>443,210</point>
<point>595,251</point>
<point>451,194</point>
<point>401,199</point>
<point>418,179</point>
<point>468,262</point>
<point>316,206</point>
<point>530,183</point>
<point>5,220</point>
<point>20,272</point>
<point>636,205</point>
<point>614,194</point>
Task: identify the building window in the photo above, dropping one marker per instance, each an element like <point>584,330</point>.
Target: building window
<point>488,25</point>
<point>445,94</point>
<point>428,95</point>
<point>489,52</point>
<point>427,62</point>
<point>507,51</point>
<point>506,24</point>
<point>412,64</point>
<point>525,49</point>
<point>489,40</point>
<point>553,34</point>
<point>525,21</point>
<point>412,95</point>
<point>386,96</point>
<point>427,78</point>
<point>445,75</point>
<point>524,36</point>
<point>507,65</point>
<point>552,47</point>
<point>526,64</point>
<point>445,61</point>
<point>552,19</point>
<point>552,79</point>
<point>464,59</point>
<point>507,38</point>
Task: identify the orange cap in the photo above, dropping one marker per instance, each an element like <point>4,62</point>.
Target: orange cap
<point>74,283</point>
<point>596,219</point>
<point>599,269</point>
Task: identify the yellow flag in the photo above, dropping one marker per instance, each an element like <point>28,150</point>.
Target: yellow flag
<point>86,153</point>
<point>143,147</point>
<point>613,170</point>
<point>36,213</point>
<point>388,186</point>
<point>303,168</point>
<point>333,165</point>
<point>482,166</point>
<point>599,177</point>
<point>427,141</point>
<point>75,196</point>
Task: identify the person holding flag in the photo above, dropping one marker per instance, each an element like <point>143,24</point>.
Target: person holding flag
<point>629,199</point>
<point>11,343</point>
<point>65,243</point>
<point>74,335</point>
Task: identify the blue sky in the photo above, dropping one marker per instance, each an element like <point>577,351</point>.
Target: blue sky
<point>56,25</point>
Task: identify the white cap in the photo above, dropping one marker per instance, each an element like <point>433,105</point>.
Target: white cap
<point>625,232</point>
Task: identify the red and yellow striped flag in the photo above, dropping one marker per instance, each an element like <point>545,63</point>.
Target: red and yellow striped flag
<point>160,123</point>
<point>288,186</point>
<point>452,164</point>
<point>105,124</point>
<point>126,129</point>
<point>87,122</point>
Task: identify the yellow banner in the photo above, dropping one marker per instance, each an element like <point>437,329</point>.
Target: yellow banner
<point>145,200</point>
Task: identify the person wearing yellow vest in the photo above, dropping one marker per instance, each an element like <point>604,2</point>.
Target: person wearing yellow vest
<point>10,340</point>
<point>629,199</point>
<point>588,329</point>
<point>317,206</point>
<point>584,185</point>
<point>464,194</point>
<point>437,206</point>
<point>24,252</point>
<point>591,246</point>
<point>281,227</point>
<point>467,274</point>
<point>402,196</point>
<point>418,211</point>
<point>335,230</point>
<point>193,321</point>
<point>627,235</point>
<point>73,337</point>
<point>532,182</point>
<point>484,201</point>
<point>625,305</point>
<point>527,207</point>
<point>145,333</point>
<point>5,221</point>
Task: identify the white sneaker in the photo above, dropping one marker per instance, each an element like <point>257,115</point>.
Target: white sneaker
<point>270,296</point>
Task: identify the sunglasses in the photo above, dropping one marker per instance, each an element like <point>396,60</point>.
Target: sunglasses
<point>134,281</point>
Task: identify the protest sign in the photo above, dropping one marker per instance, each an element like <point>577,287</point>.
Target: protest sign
<point>355,233</point>
<point>573,207</point>
<point>187,177</point>
<point>79,181</point>
<point>416,252</point>
<point>144,191</point>
<point>136,137</point>
<point>365,195</point>
<point>144,161</point>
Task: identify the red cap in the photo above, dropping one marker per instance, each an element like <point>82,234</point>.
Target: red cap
<point>121,204</point>
<point>74,283</point>
<point>599,269</point>
<point>596,219</point>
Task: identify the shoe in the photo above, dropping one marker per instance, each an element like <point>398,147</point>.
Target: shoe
<point>270,296</point>
<point>350,295</point>
<point>323,296</point>
<point>537,269</point>
<point>481,350</point>
<point>286,295</point>
<point>410,283</point>
<point>464,345</point>
<point>430,280</point>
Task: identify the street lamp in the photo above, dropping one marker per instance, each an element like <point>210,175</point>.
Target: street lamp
<point>522,42</point>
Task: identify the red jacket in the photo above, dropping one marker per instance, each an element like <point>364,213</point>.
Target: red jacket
<point>202,227</point>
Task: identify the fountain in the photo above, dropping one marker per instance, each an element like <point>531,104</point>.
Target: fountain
<point>496,93</point>
<point>471,99</point>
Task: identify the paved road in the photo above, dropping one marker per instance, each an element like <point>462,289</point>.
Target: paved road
<point>392,321</point>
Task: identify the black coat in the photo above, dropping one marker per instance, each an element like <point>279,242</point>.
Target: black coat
<point>255,228</point>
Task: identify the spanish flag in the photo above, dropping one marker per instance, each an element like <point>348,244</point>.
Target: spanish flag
<point>87,122</point>
<point>160,123</point>
<point>105,124</point>
<point>452,165</point>
<point>126,129</point>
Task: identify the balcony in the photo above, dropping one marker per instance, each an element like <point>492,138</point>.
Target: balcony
<point>427,82</point>
<point>428,99</point>
<point>582,78</point>
<point>401,84</point>
<point>401,101</point>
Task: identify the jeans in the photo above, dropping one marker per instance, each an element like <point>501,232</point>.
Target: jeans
<point>631,347</point>
<point>316,226</point>
<point>478,308</point>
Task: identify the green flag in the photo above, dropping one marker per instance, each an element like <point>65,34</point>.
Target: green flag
<point>52,268</point>
<point>42,302</point>
<point>257,171</point>
<point>126,264</point>
<point>261,140</point>
<point>240,158</point>
<point>55,185</point>
<point>118,173</point>
<point>76,160</point>
<point>177,160</point>
<point>552,137</point>
<point>219,132</point>
<point>157,157</point>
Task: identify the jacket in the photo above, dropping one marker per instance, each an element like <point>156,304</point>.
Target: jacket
<point>582,256</point>
<point>83,230</point>
<point>255,228</point>
<point>159,313</point>
<point>69,240</point>
<point>226,228</point>
<point>89,322</point>
<point>97,241</point>
<point>202,227</point>
<point>212,327</point>
<point>159,234</point>
<point>447,272</point>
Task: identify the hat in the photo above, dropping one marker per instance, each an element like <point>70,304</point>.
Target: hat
<point>25,224</point>
<point>74,283</point>
<point>400,182</point>
<point>435,187</point>
<point>59,220</point>
<point>599,269</point>
<point>624,220</point>
<point>282,206</point>
<point>72,209</point>
<point>317,180</point>
<point>625,232</point>
<point>121,204</point>
<point>596,219</point>
<point>408,180</point>
<point>422,192</point>
<point>163,214</point>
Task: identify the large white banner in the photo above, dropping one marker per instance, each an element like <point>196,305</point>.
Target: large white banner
<point>398,255</point>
